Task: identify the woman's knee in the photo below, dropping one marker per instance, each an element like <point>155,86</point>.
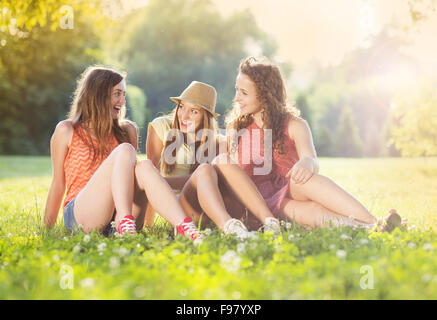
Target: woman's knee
<point>126,150</point>
<point>223,158</point>
<point>205,170</point>
<point>144,166</point>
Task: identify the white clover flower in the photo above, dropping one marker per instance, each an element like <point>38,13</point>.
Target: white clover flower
<point>87,283</point>
<point>76,248</point>
<point>345,237</point>
<point>101,246</point>
<point>253,235</point>
<point>412,245</point>
<point>428,246</point>
<point>114,262</point>
<point>278,248</point>
<point>341,254</point>
<point>65,238</point>
<point>230,261</point>
<point>198,241</point>
<point>55,257</point>
<point>139,292</point>
<point>288,225</point>
<point>10,235</point>
<point>291,237</point>
<point>175,252</point>
<point>426,277</point>
<point>332,246</point>
<point>86,238</point>
<point>123,252</point>
<point>207,231</point>
<point>364,241</point>
<point>236,295</point>
<point>241,247</point>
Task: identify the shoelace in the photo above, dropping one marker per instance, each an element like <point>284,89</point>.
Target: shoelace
<point>190,229</point>
<point>127,225</point>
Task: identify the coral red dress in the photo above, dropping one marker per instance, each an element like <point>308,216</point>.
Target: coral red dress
<point>273,185</point>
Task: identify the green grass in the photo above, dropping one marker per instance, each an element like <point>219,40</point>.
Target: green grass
<point>300,264</point>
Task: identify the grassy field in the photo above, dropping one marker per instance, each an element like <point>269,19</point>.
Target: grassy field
<point>300,264</point>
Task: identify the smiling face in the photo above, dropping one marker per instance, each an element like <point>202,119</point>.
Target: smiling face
<point>190,116</point>
<point>246,96</point>
<point>118,99</point>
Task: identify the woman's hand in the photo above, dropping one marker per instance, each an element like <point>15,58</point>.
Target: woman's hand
<point>302,170</point>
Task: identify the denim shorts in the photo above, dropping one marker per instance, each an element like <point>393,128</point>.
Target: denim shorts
<point>69,220</point>
<point>71,224</point>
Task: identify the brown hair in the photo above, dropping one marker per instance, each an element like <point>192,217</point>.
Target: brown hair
<point>209,122</point>
<point>272,95</point>
<point>91,109</point>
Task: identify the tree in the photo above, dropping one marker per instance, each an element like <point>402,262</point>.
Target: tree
<point>166,45</point>
<point>348,139</point>
<point>324,142</point>
<point>38,70</point>
<point>414,121</point>
<point>138,112</point>
<point>304,108</point>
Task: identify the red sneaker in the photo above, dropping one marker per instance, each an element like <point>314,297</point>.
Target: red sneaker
<point>187,228</point>
<point>127,224</point>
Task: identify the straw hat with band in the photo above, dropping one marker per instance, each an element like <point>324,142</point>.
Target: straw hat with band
<point>200,94</point>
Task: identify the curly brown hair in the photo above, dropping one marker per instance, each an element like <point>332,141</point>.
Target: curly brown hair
<point>272,95</point>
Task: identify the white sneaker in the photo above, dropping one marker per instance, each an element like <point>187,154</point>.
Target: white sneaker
<point>272,225</point>
<point>234,226</point>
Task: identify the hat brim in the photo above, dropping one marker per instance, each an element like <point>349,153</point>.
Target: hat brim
<point>178,99</point>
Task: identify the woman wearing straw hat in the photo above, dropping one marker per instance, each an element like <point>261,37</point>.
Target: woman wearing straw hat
<point>183,144</point>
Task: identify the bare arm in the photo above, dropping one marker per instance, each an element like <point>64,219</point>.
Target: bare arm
<point>300,132</point>
<point>59,145</point>
<point>132,132</point>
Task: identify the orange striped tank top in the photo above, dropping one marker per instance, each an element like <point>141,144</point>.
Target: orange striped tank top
<point>77,165</point>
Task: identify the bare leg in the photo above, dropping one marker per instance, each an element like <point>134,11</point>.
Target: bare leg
<point>314,215</point>
<point>158,192</point>
<point>327,193</point>
<point>139,206</point>
<point>241,186</point>
<point>201,191</point>
<point>110,187</point>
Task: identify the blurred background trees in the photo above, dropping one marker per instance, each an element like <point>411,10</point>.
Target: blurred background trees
<point>371,104</point>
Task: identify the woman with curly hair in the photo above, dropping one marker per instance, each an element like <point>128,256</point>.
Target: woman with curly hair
<point>183,145</point>
<point>292,189</point>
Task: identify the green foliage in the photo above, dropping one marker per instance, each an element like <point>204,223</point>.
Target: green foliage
<point>365,83</point>
<point>38,72</point>
<point>26,15</point>
<point>348,139</point>
<point>166,45</point>
<point>414,120</point>
<point>299,264</point>
<point>137,111</point>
